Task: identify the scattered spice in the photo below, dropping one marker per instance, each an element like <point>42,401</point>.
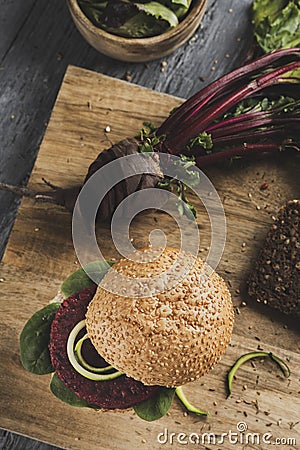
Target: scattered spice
<point>256,405</point>
<point>127,76</point>
<point>293,424</point>
<point>264,186</point>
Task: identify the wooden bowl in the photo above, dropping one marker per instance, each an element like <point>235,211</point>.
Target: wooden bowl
<point>138,49</point>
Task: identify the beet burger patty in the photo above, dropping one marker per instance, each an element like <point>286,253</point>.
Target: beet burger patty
<point>120,393</point>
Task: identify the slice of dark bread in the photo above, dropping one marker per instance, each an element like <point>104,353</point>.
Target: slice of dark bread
<point>275,279</point>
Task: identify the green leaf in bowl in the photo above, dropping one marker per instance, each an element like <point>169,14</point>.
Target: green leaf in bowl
<point>159,12</point>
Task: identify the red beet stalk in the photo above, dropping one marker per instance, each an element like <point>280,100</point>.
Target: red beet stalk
<point>213,111</point>
<point>200,113</point>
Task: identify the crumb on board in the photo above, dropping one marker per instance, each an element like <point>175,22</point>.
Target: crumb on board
<point>127,76</point>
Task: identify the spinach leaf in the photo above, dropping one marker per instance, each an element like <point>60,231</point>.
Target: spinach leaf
<point>80,279</point>
<point>66,395</point>
<point>157,406</point>
<point>34,341</point>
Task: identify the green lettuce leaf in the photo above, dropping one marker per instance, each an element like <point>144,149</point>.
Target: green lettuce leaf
<point>180,7</point>
<point>159,12</point>
<point>262,9</point>
<point>276,24</point>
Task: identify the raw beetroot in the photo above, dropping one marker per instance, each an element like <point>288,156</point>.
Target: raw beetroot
<point>253,109</point>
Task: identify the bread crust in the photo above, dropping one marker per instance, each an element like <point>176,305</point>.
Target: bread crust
<point>169,338</point>
<point>275,278</point>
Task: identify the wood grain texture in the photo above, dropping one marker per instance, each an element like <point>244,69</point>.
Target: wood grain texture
<point>38,40</point>
<point>40,254</point>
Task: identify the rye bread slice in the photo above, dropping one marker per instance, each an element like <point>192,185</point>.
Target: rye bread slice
<point>275,279</point>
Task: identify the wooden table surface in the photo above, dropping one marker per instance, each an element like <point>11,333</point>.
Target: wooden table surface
<point>38,41</point>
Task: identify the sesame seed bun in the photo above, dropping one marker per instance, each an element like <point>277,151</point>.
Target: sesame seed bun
<point>168,338</point>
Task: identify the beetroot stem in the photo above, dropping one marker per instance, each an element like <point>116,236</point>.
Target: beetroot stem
<point>279,131</point>
<point>240,150</point>
<point>236,128</point>
<point>198,100</point>
<point>178,140</point>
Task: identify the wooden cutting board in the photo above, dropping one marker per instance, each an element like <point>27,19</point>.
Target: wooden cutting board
<point>40,255</point>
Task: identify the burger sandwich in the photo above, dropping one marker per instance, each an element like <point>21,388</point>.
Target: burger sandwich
<point>114,351</point>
